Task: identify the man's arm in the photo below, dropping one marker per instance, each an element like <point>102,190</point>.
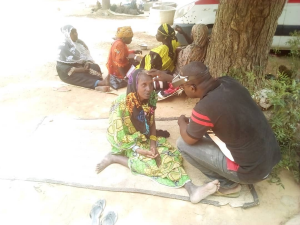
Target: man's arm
<point>183,123</point>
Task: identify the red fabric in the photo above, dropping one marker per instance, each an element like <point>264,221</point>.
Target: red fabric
<point>117,58</point>
<point>200,116</point>
<point>232,165</point>
<point>201,122</point>
<point>131,51</point>
<point>170,90</point>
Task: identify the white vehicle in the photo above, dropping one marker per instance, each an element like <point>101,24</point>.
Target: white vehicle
<point>204,11</point>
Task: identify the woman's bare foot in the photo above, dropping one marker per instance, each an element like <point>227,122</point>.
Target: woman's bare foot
<point>198,193</point>
<point>231,190</point>
<point>102,88</point>
<point>106,161</point>
<point>105,81</point>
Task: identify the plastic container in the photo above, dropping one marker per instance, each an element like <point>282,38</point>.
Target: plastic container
<point>172,4</point>
<point>162,14</point>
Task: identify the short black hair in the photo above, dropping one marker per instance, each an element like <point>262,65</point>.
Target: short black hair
<point>194,69</point>
<point>197,70</point>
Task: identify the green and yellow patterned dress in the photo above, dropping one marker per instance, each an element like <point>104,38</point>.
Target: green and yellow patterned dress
<point>123,136</point>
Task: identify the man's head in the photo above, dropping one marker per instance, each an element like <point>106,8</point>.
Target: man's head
<point>194,79</point>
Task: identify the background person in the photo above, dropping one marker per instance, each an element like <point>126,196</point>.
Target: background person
<point>75,65</point>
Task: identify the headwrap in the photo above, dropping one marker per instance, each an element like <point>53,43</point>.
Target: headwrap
<point>167,31</point>
<point>200,35</point>
<point>124,32</point>
<point>72,52</point>
<point>141,113</point>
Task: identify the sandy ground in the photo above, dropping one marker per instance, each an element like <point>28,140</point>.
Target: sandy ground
<point>27,81</point>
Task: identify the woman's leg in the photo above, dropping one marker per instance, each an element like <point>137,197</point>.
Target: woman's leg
<point>197,193</point>
<point>110,159</point>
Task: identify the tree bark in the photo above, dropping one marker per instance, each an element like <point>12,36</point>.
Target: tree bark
<point>105,4</point>
<point>242,36</point>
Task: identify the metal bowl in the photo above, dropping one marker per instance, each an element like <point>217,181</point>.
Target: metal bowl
<point>144,46</point>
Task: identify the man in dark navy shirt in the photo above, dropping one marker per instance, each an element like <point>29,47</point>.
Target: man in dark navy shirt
<point>227,136</point>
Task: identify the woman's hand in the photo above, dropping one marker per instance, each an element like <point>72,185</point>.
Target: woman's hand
<point>81,70</point>
<point>157,158</point>
<point>87,65</point>
<point>179,29</point>
<point>147,153</point>
<point>131,56</point>
<point>138,52</point>
<point>160,75</point>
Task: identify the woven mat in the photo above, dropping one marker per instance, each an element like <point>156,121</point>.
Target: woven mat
<point>66,151</point>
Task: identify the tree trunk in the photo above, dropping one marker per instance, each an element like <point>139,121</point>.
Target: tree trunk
<point>105,4</point>
<point>242,36</point>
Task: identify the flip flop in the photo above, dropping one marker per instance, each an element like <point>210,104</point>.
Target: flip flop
<point>96,211</point>
<point>110,218</point>
<point>231,195</point>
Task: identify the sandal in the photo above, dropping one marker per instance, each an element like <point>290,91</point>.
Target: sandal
<point>231,195</point>
<point>110,218</point>
<point>96,211</point>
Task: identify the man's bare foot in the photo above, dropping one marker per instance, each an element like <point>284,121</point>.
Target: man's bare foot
<point>106,161</point>
<point>198,193</point>
<point>231,190</point>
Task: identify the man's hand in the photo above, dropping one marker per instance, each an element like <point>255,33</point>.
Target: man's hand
<point>146,153</point>
<point>160,75</point>
<point>183,120</point>
<point>138,52</point>
<point>179,29</point>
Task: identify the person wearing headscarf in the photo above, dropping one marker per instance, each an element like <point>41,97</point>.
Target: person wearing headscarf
<point>75,65</point>
<point>118,62</point>
<point>196,51</point>
<point>162,57</point>
<point>132,135</point>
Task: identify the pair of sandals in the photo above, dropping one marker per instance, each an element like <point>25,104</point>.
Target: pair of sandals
<point>110,217</point>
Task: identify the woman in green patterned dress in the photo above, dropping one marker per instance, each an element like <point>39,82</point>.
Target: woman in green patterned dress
<point>132,134</point>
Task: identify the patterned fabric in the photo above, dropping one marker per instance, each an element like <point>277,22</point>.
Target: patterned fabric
<point>72,52</point>
<point>124,32</point>
<point>128,121</point>
<point>195,51</point>
<point>122,136</point>
<point>117,58</point>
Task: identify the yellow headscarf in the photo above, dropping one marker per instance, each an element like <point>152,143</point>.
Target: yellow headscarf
<point>124,32</point>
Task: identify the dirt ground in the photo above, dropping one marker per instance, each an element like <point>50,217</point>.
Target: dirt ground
<point>27,93</point>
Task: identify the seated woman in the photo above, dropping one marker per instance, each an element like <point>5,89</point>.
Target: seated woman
<point>195,51</point>
<point>163,56</point>
<point>75,65</point>
<point>132,135</point>
<point>118,62</point>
